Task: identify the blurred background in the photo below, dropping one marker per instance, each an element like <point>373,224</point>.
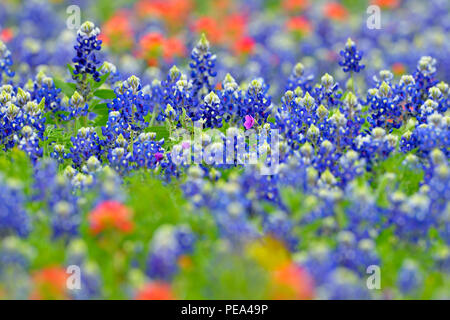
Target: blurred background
<point>252,38</point>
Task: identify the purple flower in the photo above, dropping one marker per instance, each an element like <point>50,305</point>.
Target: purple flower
<point>159,156</point>
<point>249,122</point>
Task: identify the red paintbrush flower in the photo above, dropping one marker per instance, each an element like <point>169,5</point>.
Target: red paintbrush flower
<point>299,25</point>
<point>335,11</point>
<point>155,291</point>
<point>386,4</point>
<point>292,282</point>
<point>49,283</point>
<point>110,215</point>
<point>6,35</point>
<point>244,46</point>
<point>295,5</point>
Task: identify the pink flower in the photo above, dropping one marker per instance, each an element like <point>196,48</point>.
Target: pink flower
<point>249,122</point>
<point>185,145</point>
<point>159,156</point>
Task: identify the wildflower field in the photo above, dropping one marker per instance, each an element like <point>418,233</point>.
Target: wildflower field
<point>257,149</point>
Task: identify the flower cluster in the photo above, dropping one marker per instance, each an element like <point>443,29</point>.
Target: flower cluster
<point>86,60</point>
<point>278,168</point>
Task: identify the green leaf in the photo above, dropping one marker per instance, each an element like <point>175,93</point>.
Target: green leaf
<point>71,69</point>
<point>100,109</point>
<point>95,85</point>
<point>105,94</point>
<point>68,88</point>
<point>161,132</point>
<point>101,120</point>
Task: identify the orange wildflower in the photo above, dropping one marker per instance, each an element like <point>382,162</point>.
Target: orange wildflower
<point>50,284</point>
<point>386,4</point>
<point>244,46</point>
<point>210,27</point>
<point>295,5</point>
<point>292,282</point>
<point>299,25</point>
<point>155,291</point>
<point>6,35</point>
<point>335,11</point>
<point>110,215</point>
<point>398,68</point>
<point>117,32</point>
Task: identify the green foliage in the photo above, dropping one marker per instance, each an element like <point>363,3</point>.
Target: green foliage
<point>67,88</point>
<point>219,273</point>
<point>105,94</point>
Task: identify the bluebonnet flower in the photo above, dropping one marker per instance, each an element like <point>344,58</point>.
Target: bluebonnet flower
<point>84,145</point>
<point>12,121</point>
<point>426,137</point>
<point>424,77</point>
<point>351,58</point>
<point>354,254</point>
<point>44,88</point>
<point>14,218</point>
<point>64,208</point>
<point>350,167</point>
<point>411,216</point>
<point>318,261</point>
<point>355,119</point>
<point>169,243</point>
<point>87,44</point>
<point>212,111</point>
<point>107,186</point>
<point>383,76</point>
<point>326,158</point>
<point>298,79</point>
<point>59,153</point>
<point>120,159</point>
<point>115,127</point>
<point>279,226</point>
<point>110,69</point>
<point>44,173</point>
<point>57,193</point>
<point>29,142</point>
<point>77,107</point>
<point>343,284</point>
<point>231,97</point>
<point>409,278</point>
<point>261,187</point>
<point>436,94</point>
<point>376,146</point>
<point>5,62</point>
<point>293,173</point>
<point>202,68</point>
<point>438,194</point>
<point>257,101</point>
<point>37,20</point>
<point>173,92</point>
<point>147,152</point>
<point>385,111</point>
<point>406,91</point>
<point>90,286</point>
<point>132,103</point>
<point>14,265</point>
<point>328,92</point>
<point>169,168</point>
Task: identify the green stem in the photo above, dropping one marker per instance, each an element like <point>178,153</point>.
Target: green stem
<point>152,120</point>
<point>353,81</point>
